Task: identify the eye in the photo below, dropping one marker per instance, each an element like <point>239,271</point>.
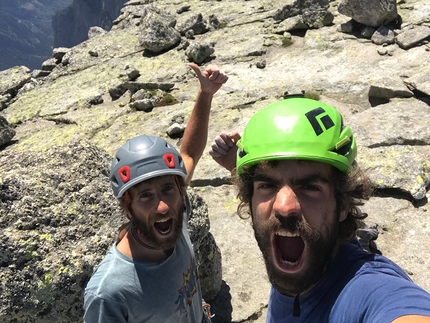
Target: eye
<point>263,185</point>
<point>168,187</point>
<point>145,195</point>
<point>170,190</point>
<point>311,187</point>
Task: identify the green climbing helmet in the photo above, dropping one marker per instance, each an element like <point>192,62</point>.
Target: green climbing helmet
<point>297,128</point>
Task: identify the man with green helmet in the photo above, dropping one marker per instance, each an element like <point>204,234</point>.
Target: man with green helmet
<point>150,274</point>
<point>297,177</point>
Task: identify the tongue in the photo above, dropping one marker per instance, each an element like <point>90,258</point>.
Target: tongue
<point>291,248</point>
<point>163,227</point>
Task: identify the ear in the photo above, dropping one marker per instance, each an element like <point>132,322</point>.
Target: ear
<point>127,197</point>
<point>343,214</point>
<point>129,214</point>
<point>250,213</point>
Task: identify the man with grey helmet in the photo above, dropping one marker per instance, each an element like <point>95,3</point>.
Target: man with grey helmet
<point>150,274</point>
<point>296,176</point>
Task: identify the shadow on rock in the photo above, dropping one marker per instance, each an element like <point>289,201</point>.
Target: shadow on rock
<point>221,305</point>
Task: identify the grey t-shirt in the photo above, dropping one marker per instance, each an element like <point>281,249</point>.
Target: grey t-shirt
<point>122,290</point>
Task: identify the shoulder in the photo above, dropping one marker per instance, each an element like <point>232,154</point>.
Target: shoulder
<point>372,272</point>
<point>354,258</point>
<point>105,276</point>
<point>380,290</point>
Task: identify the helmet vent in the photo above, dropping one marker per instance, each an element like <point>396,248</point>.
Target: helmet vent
<point>294,95</point>
<point>315,119</point>
<point>180,160</point>
<point>345,148</point>
<point>169,159</point>
<point>124,173</point>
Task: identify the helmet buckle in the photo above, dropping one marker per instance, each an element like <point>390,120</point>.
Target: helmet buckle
<point>345,140</point>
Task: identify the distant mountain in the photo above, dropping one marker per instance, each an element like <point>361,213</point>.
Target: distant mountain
<point>26,35</point>
<point>71,24</point>
<point>30,29</point>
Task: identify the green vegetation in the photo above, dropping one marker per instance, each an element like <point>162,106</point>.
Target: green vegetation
<point>287,40</point>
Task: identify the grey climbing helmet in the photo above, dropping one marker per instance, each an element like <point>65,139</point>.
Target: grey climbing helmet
<point>142,158</point>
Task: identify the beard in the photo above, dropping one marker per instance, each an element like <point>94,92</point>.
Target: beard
<point>148,230</point>
<point>321,246</point>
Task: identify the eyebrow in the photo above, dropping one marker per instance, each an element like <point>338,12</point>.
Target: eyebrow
<point>146,185</point>
<point>305,180</point>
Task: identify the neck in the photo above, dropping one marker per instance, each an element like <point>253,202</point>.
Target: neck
<point>133,247</point>
<point>135,236</point>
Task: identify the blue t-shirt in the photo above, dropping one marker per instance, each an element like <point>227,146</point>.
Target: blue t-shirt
<point>359,287</point>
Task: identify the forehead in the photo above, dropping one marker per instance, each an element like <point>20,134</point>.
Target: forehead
<point>293,168</point>
<point>154,181</point>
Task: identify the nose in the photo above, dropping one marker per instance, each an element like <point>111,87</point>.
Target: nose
<point>162,207</point>
<point>286,202</point>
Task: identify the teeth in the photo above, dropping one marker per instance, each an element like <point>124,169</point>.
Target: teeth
<point>288,262</point>
<point>161,221</point>
<point>159,224</point>
<point>285,233</point>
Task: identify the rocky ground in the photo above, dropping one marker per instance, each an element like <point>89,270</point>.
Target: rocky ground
<point>57,215</point>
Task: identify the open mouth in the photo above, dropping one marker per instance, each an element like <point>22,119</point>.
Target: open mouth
<point>289,248</point>
<point>164,226</point>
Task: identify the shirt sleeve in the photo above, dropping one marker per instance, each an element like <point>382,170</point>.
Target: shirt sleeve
<point>99,310</point>
<point>398,298</point>
<point>380,299</point>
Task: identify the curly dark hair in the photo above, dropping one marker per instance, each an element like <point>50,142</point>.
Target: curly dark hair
<point>350,190</point>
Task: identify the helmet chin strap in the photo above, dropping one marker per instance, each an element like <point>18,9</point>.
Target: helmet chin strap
<point>135,234</point>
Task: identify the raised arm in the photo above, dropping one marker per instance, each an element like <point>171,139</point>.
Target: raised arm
<point>196,132</point>
<point>412,319</point>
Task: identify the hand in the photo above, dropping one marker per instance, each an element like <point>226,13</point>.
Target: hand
<point>210,79</point>
<point>224,149</point>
